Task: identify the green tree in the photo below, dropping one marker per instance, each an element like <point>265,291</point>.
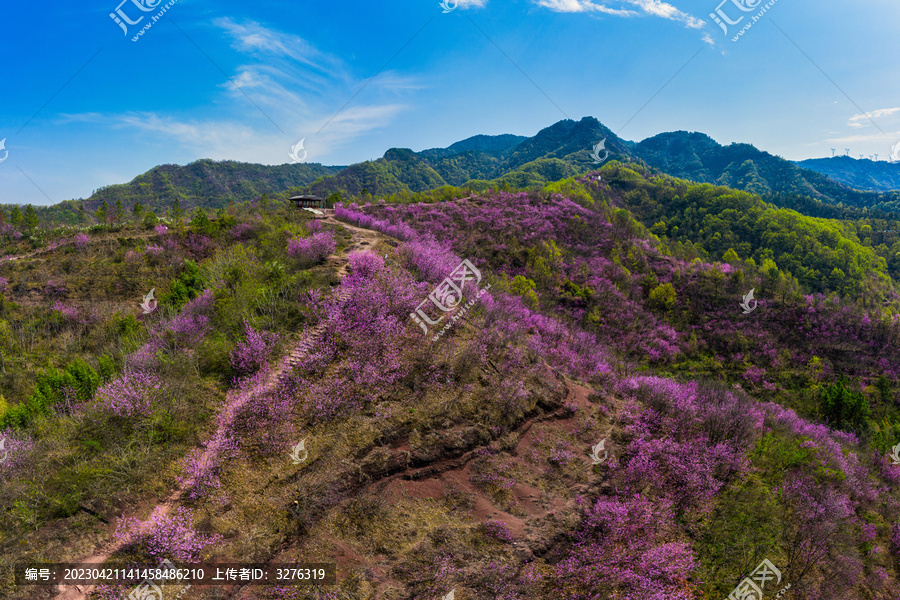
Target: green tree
<point>119,214</point>
<point>138,211</point>
<point>187,286</point>
<point>31,218</point>
<point>102,213</point>
<point>201,223</point>
<point>15,217</point>
<point>177,213</point>
<point>844,408</point>
<point>836,279</point>
<point>525,287</point>
<point>663,297</point>
<point>82,215</point>
<point>150,219</point>
<point>731,257</point>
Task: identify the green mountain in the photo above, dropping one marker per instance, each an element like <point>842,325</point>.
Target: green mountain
<point>207,183</point>
<point>865,174</point>
<point>561,150</point>
<point>565,149</point>
<point>489,144</point>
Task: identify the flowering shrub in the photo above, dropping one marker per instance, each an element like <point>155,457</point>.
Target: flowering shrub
<point>4,283</point>
<point>81,241</point>
<point>251,354</point>
<point>497,530</point>
<point>19,462</point>
<point>165,536</point>
<point>314,226</point>
<point>187,330</point>
<point>431,259</point>
<point>70,314</point>
<point>130,395</point>
<point>145,357</point>
<point>154,250</point>
<point>199,246</point>
<point>161,230</point>
<point>398,230</point>
<point>561,455</point>
<point>242,231</point>
<point>314,248</point>
<point>365,264</point>
<point>134,257</point>
<point>55,290</point>
<point>621,551</point>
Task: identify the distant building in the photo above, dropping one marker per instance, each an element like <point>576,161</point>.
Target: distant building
<point>308,202</point>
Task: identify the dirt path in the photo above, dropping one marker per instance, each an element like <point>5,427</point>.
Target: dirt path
<point>363,239</point>
<point>234,401</point>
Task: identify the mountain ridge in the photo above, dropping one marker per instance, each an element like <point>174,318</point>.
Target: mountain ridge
<point>482,161</point>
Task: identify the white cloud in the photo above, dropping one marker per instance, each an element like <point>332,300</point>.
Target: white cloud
<point>875,140</point>
<point>667,11</point>
<point>577,6</point>
<point>471,3</point>
<point>655,8</point>
<point>864,120</point>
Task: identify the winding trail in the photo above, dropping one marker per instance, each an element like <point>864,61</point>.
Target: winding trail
<point>234,402</point>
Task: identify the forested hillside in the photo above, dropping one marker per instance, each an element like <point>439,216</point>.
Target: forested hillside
<point>862,174</point>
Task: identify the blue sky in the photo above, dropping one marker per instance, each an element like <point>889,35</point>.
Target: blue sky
<point>84,106</point>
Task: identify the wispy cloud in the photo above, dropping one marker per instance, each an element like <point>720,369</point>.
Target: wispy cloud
<point>471,3</point>
<point>877,139</point>
<point>864,120</point>
<point>655,8</point>
<point>294,84</point>
<point>585,6</point>
<point>667,11</point>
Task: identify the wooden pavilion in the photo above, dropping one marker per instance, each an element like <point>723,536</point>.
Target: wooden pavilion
<point>308,202</point>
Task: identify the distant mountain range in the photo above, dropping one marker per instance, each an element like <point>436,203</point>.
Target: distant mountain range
<point>556,152</point>
<point>863,174</point>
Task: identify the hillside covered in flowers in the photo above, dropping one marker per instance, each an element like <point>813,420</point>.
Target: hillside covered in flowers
<point>559,393</point>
